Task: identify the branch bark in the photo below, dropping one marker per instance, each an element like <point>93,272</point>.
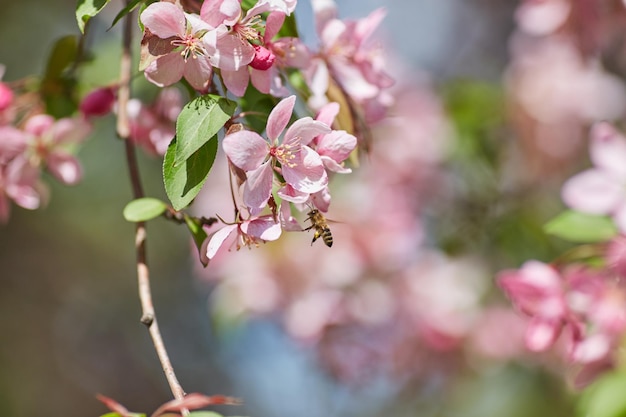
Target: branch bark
<point>148,316</point>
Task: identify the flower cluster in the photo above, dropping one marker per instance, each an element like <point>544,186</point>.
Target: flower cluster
<point>178,44</point>
<point>583,305</point>
<point>30,142</point>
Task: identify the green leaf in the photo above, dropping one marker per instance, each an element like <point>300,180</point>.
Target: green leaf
<point>86,9</point>
<point>198,122</point>
<point>197,232</point>
<point>578,227</point>
<point>132,5</point>
<point>58,82</point>
<point>605,398</point>
<point>204,414</point>
<point>119,415</point>
<point>184,181</point>
<point>289,28</point>
<point>144,209</point>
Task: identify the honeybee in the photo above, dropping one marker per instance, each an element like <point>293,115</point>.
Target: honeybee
<point>319,223</point>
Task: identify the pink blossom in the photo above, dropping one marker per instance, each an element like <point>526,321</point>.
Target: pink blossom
<point>300,166</point>
<point>249,232</point>
<point>52,143</point>
<point>173,42</point>
<point>602,189</point>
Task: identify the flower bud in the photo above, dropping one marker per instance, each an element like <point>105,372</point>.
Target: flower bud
<point>263,58</point>
<point>99,102</point>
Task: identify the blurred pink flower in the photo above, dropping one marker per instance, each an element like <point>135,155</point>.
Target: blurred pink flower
<point>19,181</point>
<point>301,167</point>
<point>536,289</point>
<point>154,126</point>
<point>347,55</point>
<point>602,189</point>
<point>52,142</point>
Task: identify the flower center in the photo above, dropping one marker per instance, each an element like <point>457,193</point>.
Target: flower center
<point>250,30</point>
<point>286,154</point>
<point>190,46</point>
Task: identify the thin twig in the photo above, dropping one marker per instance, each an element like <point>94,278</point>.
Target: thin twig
<point>148,316</point>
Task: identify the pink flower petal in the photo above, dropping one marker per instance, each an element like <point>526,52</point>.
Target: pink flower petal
<point>227,51</point>
<point>217,12</point>
<point>288,222</point>
<point>591,349</point>
<point>264,228</point>
<point>540,335</point>
<point>246,149</point>
<point>39,124</point>
<point>285,6</point>
<point>262,80</point>
<point>337,145</point>
<point>366,27</point>
<point>592,191</point>
<point>70,130</point>
<point>308,176</point>
<point>288,193</point>
<point>328,113</point>
<point>165,70</point>
<point>608,149</point>
<point>279,117</point>
<point>217,240</point>
<point>164,19</point>
<point>236,81</point>
<point>331,165</point>
<point>198,71</point>
<point>353,81</point>
<point>304,130</point>
<point>258,187</point>
<point>273,24</point>
<point>64,168</point>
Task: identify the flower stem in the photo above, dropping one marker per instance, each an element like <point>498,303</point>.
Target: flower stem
<point>148,316</point>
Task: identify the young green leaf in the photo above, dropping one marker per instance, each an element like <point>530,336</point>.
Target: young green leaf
<point>604,398</point>
<point>198,122</point>
<point>144,209</point>
<point>57,86</point>
<point>130,6</point>
<point>86,9</point>
<point>578,227</point>
<point>204,414</point>
<point>197,232</point>
<point>183,181</point>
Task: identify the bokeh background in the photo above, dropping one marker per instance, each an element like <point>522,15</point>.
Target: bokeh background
<point>69,311</point>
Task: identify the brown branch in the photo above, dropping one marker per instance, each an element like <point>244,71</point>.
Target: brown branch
<point>148,316</point>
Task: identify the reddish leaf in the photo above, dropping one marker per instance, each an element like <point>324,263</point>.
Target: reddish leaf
<point>193,401</point>
<point>113,405</point>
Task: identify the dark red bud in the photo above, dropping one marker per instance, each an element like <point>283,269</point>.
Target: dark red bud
<point>263,58</point>
<point>99,102</point>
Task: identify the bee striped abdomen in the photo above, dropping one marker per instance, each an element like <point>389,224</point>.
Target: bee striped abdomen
<point>318,222</point>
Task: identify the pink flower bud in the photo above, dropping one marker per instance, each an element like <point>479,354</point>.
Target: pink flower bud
<point>6,96</point>
<point>263,58</point>
<point>99,102</point>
